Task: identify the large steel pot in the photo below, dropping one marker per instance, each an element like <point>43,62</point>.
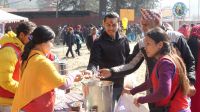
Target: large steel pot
<point>98,96</point>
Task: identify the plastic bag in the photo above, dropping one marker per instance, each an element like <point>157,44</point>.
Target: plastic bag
<point>125,104</point>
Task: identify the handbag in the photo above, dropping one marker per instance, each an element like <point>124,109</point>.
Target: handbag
<point>164,108</point>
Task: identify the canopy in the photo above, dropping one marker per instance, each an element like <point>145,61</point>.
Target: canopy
<point>6,17</point>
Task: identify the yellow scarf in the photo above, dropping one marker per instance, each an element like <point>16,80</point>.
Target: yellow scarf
<point>39,77</point>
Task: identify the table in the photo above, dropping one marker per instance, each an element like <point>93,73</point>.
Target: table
<point>63,100</point>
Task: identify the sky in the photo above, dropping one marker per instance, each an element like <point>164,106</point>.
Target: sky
<point>192,5</point>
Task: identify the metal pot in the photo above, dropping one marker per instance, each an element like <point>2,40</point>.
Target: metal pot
<point>98,96</point>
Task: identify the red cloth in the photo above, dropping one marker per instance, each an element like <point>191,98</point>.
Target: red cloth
<point>195,106</point>
<point>179,98</point>
<point>51,56</point>
<point>195,31</point>
<point>185,31</point>
<point>6,93</point>
<point>44,103</point>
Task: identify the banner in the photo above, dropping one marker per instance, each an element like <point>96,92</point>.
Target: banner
<point>124,22</point>
<point>127,13</point>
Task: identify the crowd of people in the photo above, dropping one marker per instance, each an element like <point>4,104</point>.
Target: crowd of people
<point>69,36</point>
<point>28,77</point>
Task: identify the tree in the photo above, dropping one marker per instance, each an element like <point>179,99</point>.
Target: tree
<point>64,5</point>
<point>92,5</point>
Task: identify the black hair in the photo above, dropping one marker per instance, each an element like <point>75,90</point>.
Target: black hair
<point>184,25</point>
<point>159,35</point>
<point>25,27</point>
<point>40,35</point>
<point>111,15</point>
<point>191,25</point>
<point>9,28</point>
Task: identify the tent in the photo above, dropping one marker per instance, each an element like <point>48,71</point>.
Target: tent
<point>6,17</point>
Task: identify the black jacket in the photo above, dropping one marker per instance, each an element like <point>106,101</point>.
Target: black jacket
<point>89,42</point>
<point>194,43</point>
<point>139,54</point>
<point>69,39</point>
<point>80,33</point>
<point>107,53</point>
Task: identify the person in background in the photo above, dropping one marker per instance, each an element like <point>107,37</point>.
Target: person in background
<point>10,61</point>
<point>194,43</point>
<point>191,25</point>
<point>39,74</point>
<point>130,33</point>
<point>111,49</point>
<point>78,42</point>
<point>100,30</point>
<point>69,39</point>
<point>168,79</point>
<point>185,30</point>
<point>79,32</point>
<point>168,26</point>
<point>9,32</point>
<point>91,38</point>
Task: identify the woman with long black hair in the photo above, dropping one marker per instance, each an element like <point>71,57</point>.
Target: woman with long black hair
<point>39,77</point>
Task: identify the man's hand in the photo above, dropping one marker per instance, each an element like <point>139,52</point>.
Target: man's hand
<point>126,90</point>
<point>104,73</point>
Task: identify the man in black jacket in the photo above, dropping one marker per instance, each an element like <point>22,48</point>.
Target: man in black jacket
<point>110,50</point>
<point>69,39</point>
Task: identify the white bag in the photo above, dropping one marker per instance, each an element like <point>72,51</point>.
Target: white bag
<point>125,104</point>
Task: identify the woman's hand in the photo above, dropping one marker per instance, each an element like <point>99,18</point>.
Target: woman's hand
<point>87,74</point>
<point>79,76</point>
<point>135,101</point>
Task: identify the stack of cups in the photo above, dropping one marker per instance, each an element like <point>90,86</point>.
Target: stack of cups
<point>61,67</point>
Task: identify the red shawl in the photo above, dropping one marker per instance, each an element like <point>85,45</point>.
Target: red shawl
<point>195,31</point>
